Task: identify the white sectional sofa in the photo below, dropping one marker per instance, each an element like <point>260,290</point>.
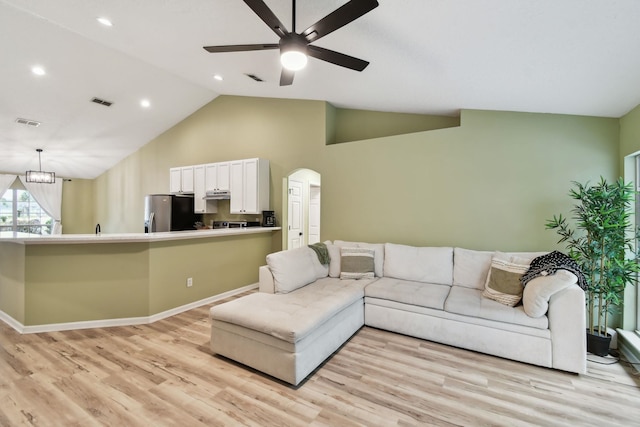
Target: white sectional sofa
<point>305,311</point>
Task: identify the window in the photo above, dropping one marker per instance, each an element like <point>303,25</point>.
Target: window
<point>19,212</point>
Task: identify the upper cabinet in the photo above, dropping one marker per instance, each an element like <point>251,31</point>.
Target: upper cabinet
<point>217,176</point>
<point>200,205</point>
<point>181,180</point>
<point>249,186</point>
<point>246,180</point>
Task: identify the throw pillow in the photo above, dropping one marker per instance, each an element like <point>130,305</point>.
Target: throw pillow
<point>294,268</point>
<point>378,249</point>
<point>357,263</point>
<point>539,290</point>
<point>503,282</point>
<point>471,268</point>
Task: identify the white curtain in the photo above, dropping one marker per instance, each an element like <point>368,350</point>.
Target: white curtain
<point>49,197</point>
<point>5,182</point>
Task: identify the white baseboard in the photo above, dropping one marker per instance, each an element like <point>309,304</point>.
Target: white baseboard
<point>11,321</point>
<point>130,321</point>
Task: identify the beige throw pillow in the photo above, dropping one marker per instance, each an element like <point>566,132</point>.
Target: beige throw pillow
<point>357,263</point>
<point>378,249</point>
<point>503,282</point>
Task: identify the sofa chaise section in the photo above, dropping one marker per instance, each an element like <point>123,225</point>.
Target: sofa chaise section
<point>289,334</point>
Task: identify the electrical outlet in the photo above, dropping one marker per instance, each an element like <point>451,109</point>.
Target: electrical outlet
<point>189,282</point>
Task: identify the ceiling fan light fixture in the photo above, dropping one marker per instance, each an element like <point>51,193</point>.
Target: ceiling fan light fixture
<point>295,47</point>
<point>293,60</point>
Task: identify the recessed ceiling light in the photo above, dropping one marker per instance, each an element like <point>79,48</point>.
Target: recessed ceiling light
<point>38,71</point>
<point>105,21</point>
<point>218,77</point>
<point>145,103</point>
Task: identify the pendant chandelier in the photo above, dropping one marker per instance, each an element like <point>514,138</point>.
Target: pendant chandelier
<point>41,176</point>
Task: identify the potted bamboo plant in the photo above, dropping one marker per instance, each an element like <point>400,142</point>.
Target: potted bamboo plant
<point>603,243</point>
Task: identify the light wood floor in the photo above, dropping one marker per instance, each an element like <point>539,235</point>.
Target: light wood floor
<point>165,375</point>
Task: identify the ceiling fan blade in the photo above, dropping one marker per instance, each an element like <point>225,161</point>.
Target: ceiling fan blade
<point>337,58</point>
<point>240,47</point>
<point>286,77</point>
<point>339,18</point>
<point>269,18</point>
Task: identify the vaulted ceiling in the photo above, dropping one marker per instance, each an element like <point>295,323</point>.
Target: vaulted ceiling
<point>427,56</point>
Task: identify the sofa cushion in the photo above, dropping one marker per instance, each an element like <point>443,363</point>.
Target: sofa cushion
<point>377,247</point>
<point>356,263</point>
<point>419,264</point>
<point>503,282</point>
<point>295,268</point>
<point>470,268</point>
<point>293,316</point>
<point>415,293</point>
<point>536,295</point>
<point>469,302</point>
<point>334,254</point>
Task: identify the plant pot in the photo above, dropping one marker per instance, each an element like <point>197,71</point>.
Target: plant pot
<point>598,344</point>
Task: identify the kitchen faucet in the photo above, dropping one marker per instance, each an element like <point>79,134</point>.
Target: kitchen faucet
<point>98,229</point>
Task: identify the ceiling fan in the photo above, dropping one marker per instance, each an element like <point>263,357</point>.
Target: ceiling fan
<point>295,47</point>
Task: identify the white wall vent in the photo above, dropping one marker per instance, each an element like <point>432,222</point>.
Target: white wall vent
<point>28,122</point>
<point>254,77</point>
<point>102,102</point>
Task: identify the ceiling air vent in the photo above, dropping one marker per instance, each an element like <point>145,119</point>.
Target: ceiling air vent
<point>102,102</point>
<point>28,122</point>
<point>254,77</point>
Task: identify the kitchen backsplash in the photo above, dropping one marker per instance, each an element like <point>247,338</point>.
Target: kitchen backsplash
<point>224,215</point>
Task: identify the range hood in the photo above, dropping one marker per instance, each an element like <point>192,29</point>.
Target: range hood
<point>217,195</point>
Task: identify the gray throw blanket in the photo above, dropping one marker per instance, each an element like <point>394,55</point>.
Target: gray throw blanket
<point>322,252</point>
<point>548,264</point>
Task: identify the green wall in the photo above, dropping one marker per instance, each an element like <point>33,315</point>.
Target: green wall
<point>488,184</point>
<point>355,125</point>
<point>630,133</point>
<point>78,200</point>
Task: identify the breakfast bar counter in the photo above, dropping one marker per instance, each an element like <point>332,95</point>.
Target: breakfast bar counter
<point>74,281</point>
<point>38,239</point>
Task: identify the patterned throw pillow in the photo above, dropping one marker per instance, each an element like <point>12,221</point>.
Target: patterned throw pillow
<point>503,282</point>
<point>356,263</point>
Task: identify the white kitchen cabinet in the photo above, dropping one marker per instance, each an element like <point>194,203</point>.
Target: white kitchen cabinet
<point>217,176</point>
<point>249,186</point>
<point>175,180</point>
<point>200,205</point>
<point>198,189</point>
<point>181,180</point>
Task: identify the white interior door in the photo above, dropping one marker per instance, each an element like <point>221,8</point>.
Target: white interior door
<point>314,214</point>
<point>295,210</point>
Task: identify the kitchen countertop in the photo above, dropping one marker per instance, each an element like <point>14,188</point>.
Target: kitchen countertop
<point>37,239</point>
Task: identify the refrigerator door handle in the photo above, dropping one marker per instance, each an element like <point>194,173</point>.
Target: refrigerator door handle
<point>152,222</point>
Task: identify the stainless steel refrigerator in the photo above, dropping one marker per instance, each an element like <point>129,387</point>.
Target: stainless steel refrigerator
<point>168,212</point>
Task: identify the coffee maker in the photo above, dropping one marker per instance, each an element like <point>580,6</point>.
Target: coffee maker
<point>268,219</point>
